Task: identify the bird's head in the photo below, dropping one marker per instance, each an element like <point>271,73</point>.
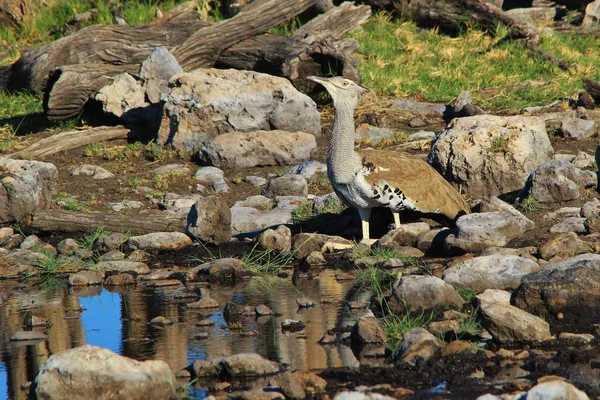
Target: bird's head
<point>343,91</point>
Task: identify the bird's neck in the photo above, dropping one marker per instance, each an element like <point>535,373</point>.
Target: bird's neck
<point>342,161</point>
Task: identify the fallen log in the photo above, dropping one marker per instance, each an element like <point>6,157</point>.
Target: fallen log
<point>70,140</point>
<point>73,85</point>
<point>138,224</point>
<point>593,89</point>
<point>194,44</point>
<point>99,44</point>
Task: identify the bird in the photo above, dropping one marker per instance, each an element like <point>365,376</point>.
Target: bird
<point>380,178</point>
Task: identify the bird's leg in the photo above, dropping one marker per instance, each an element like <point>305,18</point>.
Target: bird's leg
<point>396,219</point>
<point>365,214</point>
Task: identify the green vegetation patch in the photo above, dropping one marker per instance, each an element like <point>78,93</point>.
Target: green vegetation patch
<point>399,59</point>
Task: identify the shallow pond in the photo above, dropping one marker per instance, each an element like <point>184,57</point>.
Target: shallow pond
<point>119,320</point>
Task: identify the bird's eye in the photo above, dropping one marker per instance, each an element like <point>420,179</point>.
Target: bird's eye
<point>345,83</point>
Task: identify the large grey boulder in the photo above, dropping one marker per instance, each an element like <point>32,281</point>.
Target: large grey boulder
<point>160,241</point>
<point>208,102</point>
<point>489,272</point>
<point>592,14</point>
<point>156,71</point>
<point>25,187</point>
<point>557,181</point>
<point>243,365</point>
<point>259,148</point>
<point>124,94</point>
<point>507,323</point>
<point>423,292</point>
<point>93,372</point>
<point>570,287</point>
<point>475,232</point>
<point>490,155</point>
<point>255,219</point>
<point>209,220</point>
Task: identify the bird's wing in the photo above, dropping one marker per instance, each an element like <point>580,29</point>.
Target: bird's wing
<point>392,173</point>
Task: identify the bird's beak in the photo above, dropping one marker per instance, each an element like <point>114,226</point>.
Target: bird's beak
<point>364,90</point>
<point>318,79</point>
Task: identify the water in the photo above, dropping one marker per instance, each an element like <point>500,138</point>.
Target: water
<point>119,320</point>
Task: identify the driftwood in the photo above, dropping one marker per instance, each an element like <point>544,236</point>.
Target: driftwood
<point>73,85</point>
<point>194,44</point>
<point>593,89</point>
<point>66,141</point>
<point>137,224</point>
<point>308,53</point>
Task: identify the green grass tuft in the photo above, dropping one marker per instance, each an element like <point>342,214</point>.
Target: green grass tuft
<point>306,211</point>
<point>87,242</point>
<point>391,253</point>
<point>68,202</point>
<point>396,327</point>
<point>467,294</point>
<point>529,204</point>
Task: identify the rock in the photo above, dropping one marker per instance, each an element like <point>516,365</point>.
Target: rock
<point>279,239</point>
<point>25,187</point>
<point>229,100</point>
<point>372,135</point>
<point>367,330</point>
<point>161,321</point>
<point>255,180</point>
<point>289,385</point>
<point>433,241</point>
<point>262,310</point>
<point>456,346</point>
<point>558,181</point>
<point>204,302</point>
<point>85,278</point>
<point>113,255</point>
<point>423,292</point>
<point>246,365</point>
<point>249,220</point>
<point>590,209</point>
<point>213,177</point>
<point>88,370</point>
<point>421,135</point>
<point>555,389</point>
<point>305,243</point>
<point>156,71</point>
<point>67,247</point>
<point>479,231</point>
<point>345,395</point>
<point>570,224</point>
<point>113,241</point>
<point>592,14</point>
<point>563,212</point>
<point>224,270</point>
<point>92,170</point>
<point>5,234</point>
<point>172,169</point>
<point>120,280</point>
<point>159,241</point>
<point>292,185</point>
<point>570,287</point>
<point>259,202</point>
<point>564,245</point>
<point>257,149</point>
<point>490,155</point>
<point>489,272</point>
<point>417,344</point>
<point>507,323</point>
<point>22,336</point>
<point>209,220</point>
<point>304,302</point>
<point>493,296</point>
<point>126,205</point>
<point>307,169</point>
<point>493,204</point>
<point>31,242</point>
<point>533,14</point>
<point>405,235</point>
<point>311,382</point>
<point>584,161</point>
<point>579,338</point>
<point>122,96</point>
<point>206,368</point>
<point>119,267</point>
<point>315,259</point>
<point>292,325</point>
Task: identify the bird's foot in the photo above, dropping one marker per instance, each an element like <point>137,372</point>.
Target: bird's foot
<point>368,242</point>
<point>330,247</point>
